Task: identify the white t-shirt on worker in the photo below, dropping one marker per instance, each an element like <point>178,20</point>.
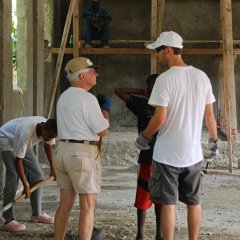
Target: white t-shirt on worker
<point>21,133</point>
<point>185,91</point>
<point>79,115</point>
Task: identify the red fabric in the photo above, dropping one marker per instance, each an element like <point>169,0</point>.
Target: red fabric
<point>142,200</point>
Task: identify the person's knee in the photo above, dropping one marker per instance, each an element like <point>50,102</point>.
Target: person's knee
<point>88,202</point>
<point>36,179</point>
<point>67,199</point>
<point>88,207</point>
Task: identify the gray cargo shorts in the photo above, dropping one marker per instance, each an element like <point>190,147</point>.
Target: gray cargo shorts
<point>168,184</point>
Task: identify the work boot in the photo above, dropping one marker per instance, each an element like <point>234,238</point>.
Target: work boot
<point>97,234</point>
<point>13,226</point>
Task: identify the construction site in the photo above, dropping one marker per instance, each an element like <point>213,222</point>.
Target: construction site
<point>47,34</point>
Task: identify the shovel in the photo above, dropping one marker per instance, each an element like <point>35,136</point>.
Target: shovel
<point>21,197</point>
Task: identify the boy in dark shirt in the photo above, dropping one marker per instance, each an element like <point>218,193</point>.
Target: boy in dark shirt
<point>139,106</point>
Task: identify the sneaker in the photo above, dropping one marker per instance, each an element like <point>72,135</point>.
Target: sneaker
<point>13,226</point>
<point>106,46</point>
<point>97,234</point>
<point>44,218</point>
<point>87,45</point>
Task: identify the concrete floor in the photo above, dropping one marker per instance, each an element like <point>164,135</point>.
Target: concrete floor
<point>115,211</point>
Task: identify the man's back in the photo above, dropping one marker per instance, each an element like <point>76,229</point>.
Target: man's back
<point>20,126</point>
<point>185,91</point>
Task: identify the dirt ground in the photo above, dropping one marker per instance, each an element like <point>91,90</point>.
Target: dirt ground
<point>116,214</point>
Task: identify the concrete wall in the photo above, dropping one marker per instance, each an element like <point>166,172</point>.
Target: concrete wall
<point>131,20</point>
<point>30,66</point>
<point>194,20</point>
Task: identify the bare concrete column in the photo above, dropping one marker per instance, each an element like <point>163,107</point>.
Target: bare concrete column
<point>38,57</point>
<point>5,66</point>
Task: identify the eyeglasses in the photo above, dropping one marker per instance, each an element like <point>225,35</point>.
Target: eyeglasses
<point>158,49</point>
<point>90,70</point>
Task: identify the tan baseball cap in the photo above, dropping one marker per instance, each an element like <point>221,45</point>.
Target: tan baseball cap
<point>77,64</point>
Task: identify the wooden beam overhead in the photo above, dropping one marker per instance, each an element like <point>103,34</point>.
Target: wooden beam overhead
<point>145,42</point>
<point>107,51</point>
<point>141,51</point>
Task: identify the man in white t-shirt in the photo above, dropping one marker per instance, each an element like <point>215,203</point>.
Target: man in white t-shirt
<point>17,138</point>
<point>81,124</point>
<point>182,97</point>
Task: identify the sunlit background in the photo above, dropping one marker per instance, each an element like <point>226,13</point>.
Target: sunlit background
<point>14,43</point>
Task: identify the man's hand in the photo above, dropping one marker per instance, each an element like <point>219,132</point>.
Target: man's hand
<point>142,142</point>
<point>104,102</point>
<point>53,173</point>
<point>26,190</point>
<point>212,149</point>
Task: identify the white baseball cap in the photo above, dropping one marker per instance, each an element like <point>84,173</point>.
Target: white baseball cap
<point>169,39</point>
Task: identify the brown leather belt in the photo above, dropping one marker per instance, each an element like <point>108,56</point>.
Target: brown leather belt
<point>94,143</point>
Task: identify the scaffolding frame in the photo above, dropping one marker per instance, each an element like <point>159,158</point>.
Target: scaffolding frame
<point>224,48</point>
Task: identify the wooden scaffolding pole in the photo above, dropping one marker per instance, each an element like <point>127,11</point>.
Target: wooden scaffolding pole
<point>161,7</point>
<point>76,29</point>
<point>60,57</point>
<point>154,29</point>
<point>157,10</point>
<point>221,118</point>
<point>229,78</point>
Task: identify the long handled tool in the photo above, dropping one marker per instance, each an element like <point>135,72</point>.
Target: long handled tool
<point>204,171</point>
<point>32,189</point>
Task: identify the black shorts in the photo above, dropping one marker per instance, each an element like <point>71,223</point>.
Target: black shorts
<point>168,183</point>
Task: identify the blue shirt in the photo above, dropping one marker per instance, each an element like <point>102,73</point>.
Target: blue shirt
<point>100,15</point>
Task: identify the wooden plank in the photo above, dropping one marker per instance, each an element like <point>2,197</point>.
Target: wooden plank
<point>160,13</point>
<point>76,29</point>
<point>221,97</point>
<point>203,51</point>
<point>107,51</point>
<point>154,19</point>
<point>60,57</point>
<point>154,33</point>
<point>221,118</point>
<point>140,51</point>
<point>203,42</point>
<point>80,7</point>
<point>161,6</point>
<point>116,51</point>
<point>229,78</point>
<point>121,41</point>
<point>218,43</point>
